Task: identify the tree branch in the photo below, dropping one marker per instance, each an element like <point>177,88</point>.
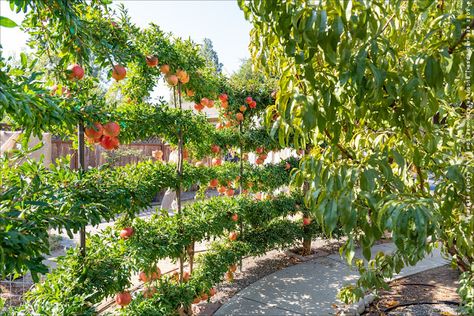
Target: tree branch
<point>463,35</point>
<point>342,149</point>
<point>420,175</point>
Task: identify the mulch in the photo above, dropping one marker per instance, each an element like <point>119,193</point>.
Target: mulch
<point>428,293</point>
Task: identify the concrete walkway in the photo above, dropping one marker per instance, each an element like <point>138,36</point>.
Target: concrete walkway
<point>308,288</point>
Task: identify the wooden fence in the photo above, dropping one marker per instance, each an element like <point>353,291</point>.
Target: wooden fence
<point>96,155</point>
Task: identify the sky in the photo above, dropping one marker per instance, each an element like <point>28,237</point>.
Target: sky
<point>220,20</point>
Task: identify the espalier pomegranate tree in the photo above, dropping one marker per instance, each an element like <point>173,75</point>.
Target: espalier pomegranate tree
<point>385,88</point>
<point>102,46</point>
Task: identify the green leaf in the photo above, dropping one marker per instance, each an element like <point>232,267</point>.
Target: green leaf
<point>6,22</point>
<point>23,60</point>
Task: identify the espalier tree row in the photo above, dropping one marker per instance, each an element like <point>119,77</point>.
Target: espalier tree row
<point>97,45</point>
<point>114,256</point>
<point>60,198</point>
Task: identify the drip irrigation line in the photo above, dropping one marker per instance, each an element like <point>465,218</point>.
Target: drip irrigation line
<point>421,303</point>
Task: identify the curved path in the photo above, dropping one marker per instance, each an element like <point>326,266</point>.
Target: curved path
<point>308,288</point>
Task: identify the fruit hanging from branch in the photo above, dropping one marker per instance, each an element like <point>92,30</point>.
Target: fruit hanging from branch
<point>248,100</point>
<point>109,143</point>
<point>204,101</point>
<point>186,276</point>
<point>230,192</point>
<point>198,107</point>
<point>233,236</point>
<point>213,183</point>
<point>306,221</point>
<point>155,274</point>
<point>126,233</point>
<point>111,129</point>
<point>239,117</point>
<point>216,161</point>
<point>223,97</point>
<point>215,149</point>
<point>165,69</point>
<point>243,108</point>
<point>182,76</point>
<point>189,92</point>
<point>253,105</point>
<point>235,217</point>
<point>123,298</point>
<point>151,61</point>
<point>222,189</point>
<point>210,104</point>
<point>95,131</point>
<point>172,80</point>
<point>119,72</point>
<point>75,71</point>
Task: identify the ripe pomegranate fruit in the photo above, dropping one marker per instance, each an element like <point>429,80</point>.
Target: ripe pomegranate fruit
<point>172,80</point>
<point>306,221</point>
<point>109,143</point>
<point>259,161</point>
<point>126,233</point>
<point>235,217</point>
<point>198,107</point>
<point>230,192</point>
<point>248,100</point>
<point>186,276</point>
<point>215,149</point>
<point>75,71</point>
<point>233,236</point>
<point>189,92</point>
<point>94,131</point>
<point>259,150</point>
<point>210,104</point>
<point>182,75</point>
<point>150,276</point>
<point>205,101</point>
<point>165,69</point>
<point>213,183</point>
<point>119,72</point>
<point>223,97</point>
<point>112,129</point>
<point>224,105</point>
<point>239,117</point>
<point>253,105</point>
<point>243,108</point>
<point>216,161</point>
<point>222,189</point>
<point>151,61</point>
<point>123,298</point>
